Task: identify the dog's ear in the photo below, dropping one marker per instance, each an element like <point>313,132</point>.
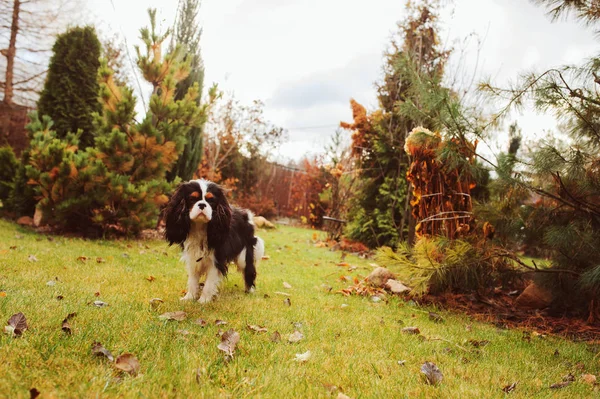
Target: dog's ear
<point>219,225</point>
<point>177,217</point>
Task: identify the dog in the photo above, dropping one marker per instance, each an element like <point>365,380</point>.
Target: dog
<point>211,234</point>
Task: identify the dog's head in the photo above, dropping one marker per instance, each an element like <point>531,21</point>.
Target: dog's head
<point>197,201</point>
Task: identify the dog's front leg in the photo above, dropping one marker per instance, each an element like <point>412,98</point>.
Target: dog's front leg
<point>211,285</point>
<point>193,290</point>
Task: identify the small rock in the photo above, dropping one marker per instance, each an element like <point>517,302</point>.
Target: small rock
<point>380,276</point>
<point>534,297</point>
<point>396,286</point>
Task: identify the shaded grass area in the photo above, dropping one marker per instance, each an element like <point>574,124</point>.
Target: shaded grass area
<point>355,348</point>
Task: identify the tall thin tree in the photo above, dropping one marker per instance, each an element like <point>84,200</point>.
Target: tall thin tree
<point>187,35</point>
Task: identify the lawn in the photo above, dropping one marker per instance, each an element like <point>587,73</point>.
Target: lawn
<point>357,346</point>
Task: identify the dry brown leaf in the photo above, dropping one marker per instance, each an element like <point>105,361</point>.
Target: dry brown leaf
<point>99,350</point>
<point>82,258</point>
<point>32,258</point>
<point>100,260</point>
<point>201,322</point>
<point>287,285</point>
<point>296,336</point>
<point>229,340</point>
<point>433,375</point>
<point>510,388</point>
<point>178,316</point>
<point>2,294</point>
<point>17,324</point>
<point>560,385</point>
<point>34,393</point>
<point>155,302</point>
<point>128,363</point>
<point>478,343</point>
<point>100,304</point>
<point>436,318</point>
<point>257,329</point>
<point>220,322</point>
<point>66,327</point>
<point>288,301</point>
<point>411,330</point>
<point>589,379</point>
<point>275,337</point>
<point>151,278</point>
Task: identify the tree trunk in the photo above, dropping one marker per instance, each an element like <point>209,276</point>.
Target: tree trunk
<point>10,54</point>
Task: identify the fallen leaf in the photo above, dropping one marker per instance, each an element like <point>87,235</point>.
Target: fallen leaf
<point>4,251</point>
<point>432,373</point>
<point>257,329</point>
<point>100,260</point>
<point>302,357</point>
<point>281,293</point>
<point>2,294</point>
<point>97,293</point>
<point>66,327</point>
<point>411,330</point>
<point>229,340</point>
<point>32,258</point>
<point>34,393</point>
<point>178,315</point>
<point>342,396</point>
<point>60,297</point>
<point>265,257</point>
<point>343,264</point>
<point>297,325</point>
<point>296,336</point>
<point>100,304</point>
<point>510,388</point>
<point>560,385</point>
<point>128,363</point>
<point>13,247</point>
<point>155,302</point>
<point>99,350</point>
<point>569,377</point>
<point>82,258</point>
<point>151,278</point>
<point>435,317</point>
<point>287,285</point>
<point>401,362</point>
<point>220,322</point>
<point>275,337</point>
<point>589,379</point>
<point>184,332</point>
<point>344,305</point>
<point>17,324</point>
<point>201,322</point>
<point>288,301</point>
<point>51,283</point>
<point>556,353</point>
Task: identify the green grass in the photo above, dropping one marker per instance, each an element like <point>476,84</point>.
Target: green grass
<point>355,347</point>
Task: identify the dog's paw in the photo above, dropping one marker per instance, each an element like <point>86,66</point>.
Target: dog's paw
<point>187,297</point>
<point>251,290</point>
<point>204,299</point>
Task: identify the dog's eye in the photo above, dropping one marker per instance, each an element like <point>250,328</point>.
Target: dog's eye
<point>195,194</point>
<point>209,196</point>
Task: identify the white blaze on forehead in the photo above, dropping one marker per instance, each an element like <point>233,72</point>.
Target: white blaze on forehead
<point>203,186</point>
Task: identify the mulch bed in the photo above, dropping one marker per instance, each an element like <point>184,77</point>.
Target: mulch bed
<point>500,310</point>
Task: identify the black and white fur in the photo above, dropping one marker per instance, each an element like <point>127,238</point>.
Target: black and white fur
<point>212,234</point>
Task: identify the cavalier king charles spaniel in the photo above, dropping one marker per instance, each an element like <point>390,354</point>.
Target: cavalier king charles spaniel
<point>212,234</point>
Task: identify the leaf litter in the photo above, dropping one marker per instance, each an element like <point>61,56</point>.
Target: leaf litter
<point>66,327</point>
<point>128,363</point>
<point>99,350</point>
<point>433,375</point>
<point>17,324</point>
<point>178,316</point>
<point>229,340</point>
<point>296,336</point>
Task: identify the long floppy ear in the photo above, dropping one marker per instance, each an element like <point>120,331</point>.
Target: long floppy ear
<point>177,218</point>
<point>219,225</point>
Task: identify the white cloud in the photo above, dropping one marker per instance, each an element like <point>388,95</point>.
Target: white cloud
<point>306,58</point>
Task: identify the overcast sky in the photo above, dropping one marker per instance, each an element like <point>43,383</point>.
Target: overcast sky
<point>306,58</point>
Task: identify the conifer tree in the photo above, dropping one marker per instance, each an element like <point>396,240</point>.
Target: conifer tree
<point>70,94</point>
<point>118,185</point>
<point>563,177</point>
<point>187,35</point>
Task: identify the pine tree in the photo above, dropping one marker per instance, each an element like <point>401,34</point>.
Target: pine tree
<point>118,185</point>
<point>70,94</point>
<point>562,179</point>
<point>188,36</point>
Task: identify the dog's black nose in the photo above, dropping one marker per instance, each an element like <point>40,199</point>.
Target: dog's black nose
<point>201,206</point>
